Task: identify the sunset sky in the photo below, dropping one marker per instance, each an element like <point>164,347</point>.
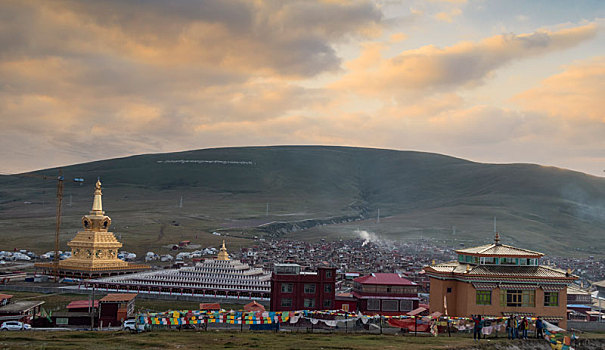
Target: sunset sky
<point>490,81</point>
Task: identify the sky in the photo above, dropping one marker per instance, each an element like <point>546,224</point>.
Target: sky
<point>490,81</point>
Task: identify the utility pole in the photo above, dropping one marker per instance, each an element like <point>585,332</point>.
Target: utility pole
<point>92,309</point>
<point>181,202</point>
<point>58,226</point>
<point>378,217</point>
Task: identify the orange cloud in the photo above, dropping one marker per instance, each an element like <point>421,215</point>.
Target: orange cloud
<point>463,64</point>
<point>448,16</point>
<point>577,93</point>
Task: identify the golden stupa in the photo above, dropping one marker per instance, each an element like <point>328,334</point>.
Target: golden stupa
<point>94,251</point>
<point>223,255</point>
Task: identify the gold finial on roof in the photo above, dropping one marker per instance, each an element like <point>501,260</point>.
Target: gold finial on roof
<point>97,203</point>
<point>497,239</point>
<point>223,255</point>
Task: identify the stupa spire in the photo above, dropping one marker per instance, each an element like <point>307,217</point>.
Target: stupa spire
<point>223,255</point>
<point>97,203</point>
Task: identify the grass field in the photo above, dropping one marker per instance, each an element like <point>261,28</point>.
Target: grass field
<point>63,340</point>
<point>224,340</point>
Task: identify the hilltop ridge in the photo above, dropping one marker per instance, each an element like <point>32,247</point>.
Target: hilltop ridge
<point>233,189</point>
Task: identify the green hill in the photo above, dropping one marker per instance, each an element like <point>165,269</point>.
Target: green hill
<point>228,189</point>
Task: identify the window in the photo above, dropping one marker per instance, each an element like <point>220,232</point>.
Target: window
<point>329,274</point>
<point>327,288</point>
<point>310,302</point>
<point>374,304</point>
<point>287,287</point>
<point>309,288</point>
<point>551,298</point>
<point>484,297</point>
<point>390,305</point>
<point>327,304</point>
<point>489,261</point>
<point>461,258</point>
<point>508,261</point>
<point>517,298</point>
<point>449,289</point>
<point>406,305</point>
<point>286,302</point>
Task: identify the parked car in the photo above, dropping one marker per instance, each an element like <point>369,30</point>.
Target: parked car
<point>14,326</point>
<point>131,325</point>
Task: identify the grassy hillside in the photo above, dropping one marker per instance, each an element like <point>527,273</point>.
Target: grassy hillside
<point>418,194</point>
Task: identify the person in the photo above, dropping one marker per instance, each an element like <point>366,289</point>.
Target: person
<point>478,325</point>
<point>539,328</point>
<point>509,327</point>
<point>515,327</point>
<point>524,327</point>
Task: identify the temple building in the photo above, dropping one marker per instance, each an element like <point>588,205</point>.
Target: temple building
<point>94,251</point>
<point>293,289</point>
<point>220,278</point>
<point>499,280</point>
<point>385,293</point>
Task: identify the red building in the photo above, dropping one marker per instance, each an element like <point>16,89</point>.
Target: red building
<point>292,289</point>
<point>385,293</point>
<point>116,308</point>
<point>346,302</point>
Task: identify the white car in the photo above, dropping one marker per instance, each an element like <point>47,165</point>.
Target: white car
<point>14,326</point>
<point>131,325</point>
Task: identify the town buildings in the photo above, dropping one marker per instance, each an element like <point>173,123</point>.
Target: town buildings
<point>499,280</point>
<point>214,278</point>
<point>385,293</point>
<point>94,251</point>
<point>293,289</point>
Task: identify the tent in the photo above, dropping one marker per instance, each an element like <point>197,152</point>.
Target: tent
<point>254,307</point>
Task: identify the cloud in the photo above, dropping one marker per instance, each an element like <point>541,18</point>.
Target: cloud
<point>82,80</point>
<point>576,94</point>
<point>102,79</point>
<point>292,38</point>
<point>448,16</point>
<point>464,64</point>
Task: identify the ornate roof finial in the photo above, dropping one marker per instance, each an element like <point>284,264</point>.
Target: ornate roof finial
<point>223,255</point>
<point>497,239</point>
<point>97,203</point>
